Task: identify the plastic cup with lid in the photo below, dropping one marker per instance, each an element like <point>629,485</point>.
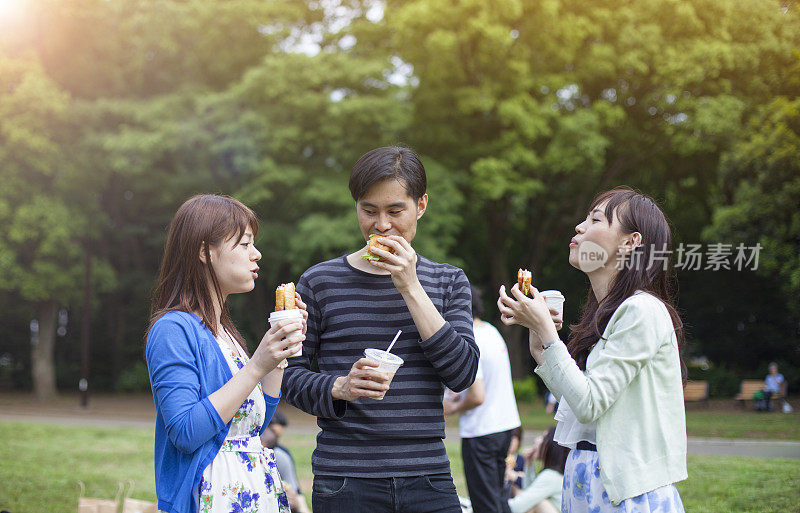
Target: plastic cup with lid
<point>554,300</point>
<point>387,362</point>
<point>294,314</point>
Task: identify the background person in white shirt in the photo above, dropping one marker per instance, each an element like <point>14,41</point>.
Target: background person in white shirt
<point>488,415</point>
<point>620,379</point>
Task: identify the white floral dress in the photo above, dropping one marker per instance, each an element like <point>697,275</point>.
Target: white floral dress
<point>243,477</point>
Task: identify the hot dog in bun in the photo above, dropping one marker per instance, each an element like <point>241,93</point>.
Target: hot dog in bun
<point>284,297</point>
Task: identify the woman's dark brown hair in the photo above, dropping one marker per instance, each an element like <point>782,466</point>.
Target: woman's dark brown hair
<point>553,456</point>
<point>647,268</point>
<point>183,281</point>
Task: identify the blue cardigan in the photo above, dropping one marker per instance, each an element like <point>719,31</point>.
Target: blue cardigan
<point>186,365</point>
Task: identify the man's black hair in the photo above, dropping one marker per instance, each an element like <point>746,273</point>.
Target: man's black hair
<point>279,418</point>
<point>394,162</point>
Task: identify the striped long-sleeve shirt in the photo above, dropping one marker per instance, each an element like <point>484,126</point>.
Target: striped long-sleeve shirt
<point>351,310</point>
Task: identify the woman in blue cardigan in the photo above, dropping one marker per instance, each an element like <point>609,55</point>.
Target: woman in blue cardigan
<point>212,399</point>
<point>619,380</point>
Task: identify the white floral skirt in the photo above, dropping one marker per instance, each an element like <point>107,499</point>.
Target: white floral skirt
<point>242,478</point>
<point>583,491</point>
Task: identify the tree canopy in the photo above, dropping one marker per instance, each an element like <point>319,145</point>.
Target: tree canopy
<point>113,113</point>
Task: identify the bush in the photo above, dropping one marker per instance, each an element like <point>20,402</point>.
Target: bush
<point>721,381</point>
<point>68,375</point>
<point>526,389</point>
<point>134,379</point>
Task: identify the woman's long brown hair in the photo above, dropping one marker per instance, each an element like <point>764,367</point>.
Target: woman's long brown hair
<point>644,270</point>
<point>201,222</point>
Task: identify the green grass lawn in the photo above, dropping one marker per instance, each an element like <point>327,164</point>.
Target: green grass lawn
<point>700,422</point>
<point>42,463</point>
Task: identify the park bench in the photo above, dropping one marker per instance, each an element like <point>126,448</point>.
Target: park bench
<point>696,391</point>
<point>748,387</point>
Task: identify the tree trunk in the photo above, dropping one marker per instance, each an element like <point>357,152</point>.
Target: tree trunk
<point>42,353</point>
<point>86,318</point>
<point>115,320</point>
<point>498,215</point>
<point>113,306</point>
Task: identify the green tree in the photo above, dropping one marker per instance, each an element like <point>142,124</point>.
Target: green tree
<point>129,48</point>
<point>760,194</point>
<point>44,224</point>
<point>542,104</point>
<point>113,113</point>
<point>294,126</point>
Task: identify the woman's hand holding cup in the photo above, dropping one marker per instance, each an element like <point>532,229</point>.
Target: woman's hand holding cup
<point>275,346</point>
<point>297,314</point>
<point>298,302</point>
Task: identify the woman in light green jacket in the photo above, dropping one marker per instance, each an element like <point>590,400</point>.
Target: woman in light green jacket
<point>619,380</point>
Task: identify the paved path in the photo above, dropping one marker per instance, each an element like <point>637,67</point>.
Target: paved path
<point>77,420</point>
<point>749,448</point>
<point>710,446</point>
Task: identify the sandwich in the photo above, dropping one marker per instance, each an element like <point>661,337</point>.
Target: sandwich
<point>373,243</point>
<point>284,297</point>
<point>524,278</point>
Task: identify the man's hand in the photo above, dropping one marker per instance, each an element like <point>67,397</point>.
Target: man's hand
<point>450,406</point>
<point>465,401</point>
<point>363,380</point>
<point>402,264</point>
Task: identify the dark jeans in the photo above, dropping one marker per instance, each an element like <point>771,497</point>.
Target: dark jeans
<point>419,494</point>
<point>765,403</point>
<point>485,469</point>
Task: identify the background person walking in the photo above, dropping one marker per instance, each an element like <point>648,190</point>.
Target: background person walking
<point>488,416</point>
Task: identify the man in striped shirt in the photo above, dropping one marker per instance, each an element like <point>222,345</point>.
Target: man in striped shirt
<point>383,455</point>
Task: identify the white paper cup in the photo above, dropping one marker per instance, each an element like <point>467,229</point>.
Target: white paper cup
<point>388,363</point>
<point>294,314</point>
<point>554,300</point>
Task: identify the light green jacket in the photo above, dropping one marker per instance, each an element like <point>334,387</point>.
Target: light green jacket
<point>633,390</point>
<point>546,486</point>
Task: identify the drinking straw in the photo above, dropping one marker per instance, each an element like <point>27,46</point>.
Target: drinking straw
<point>393,341</point>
